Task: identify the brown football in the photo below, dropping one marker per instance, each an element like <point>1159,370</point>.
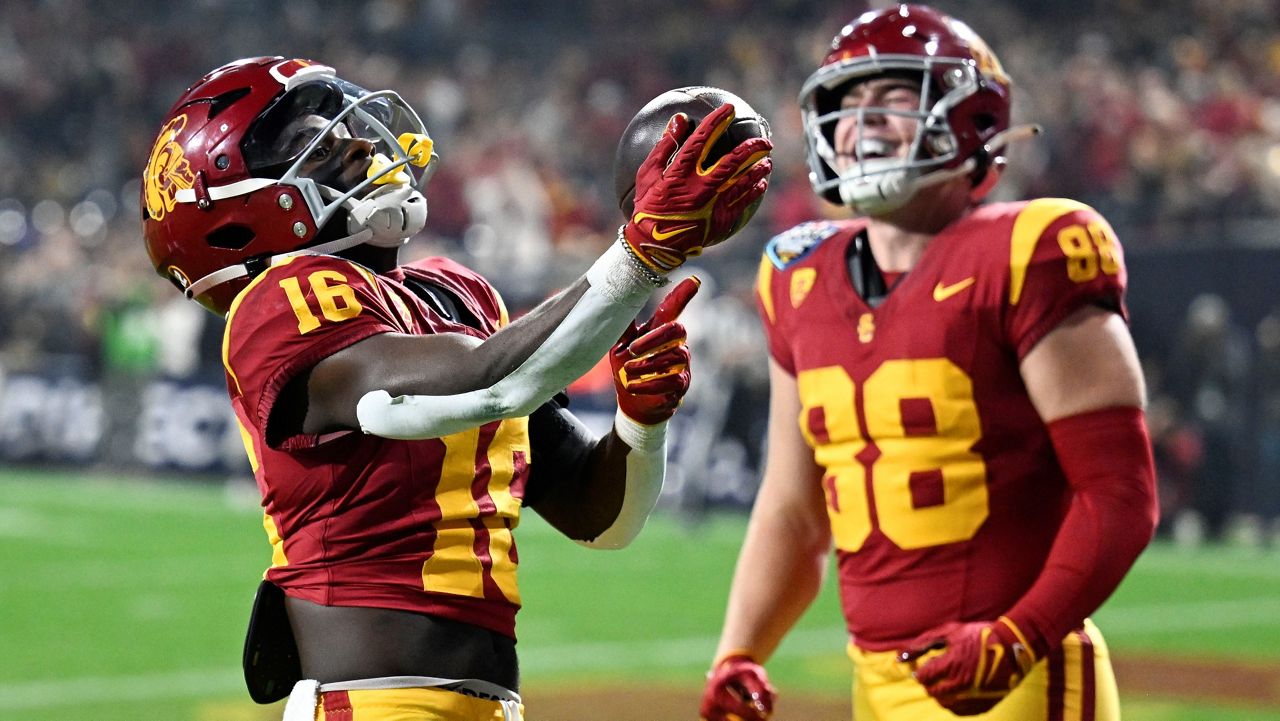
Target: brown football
<point>646,127</point>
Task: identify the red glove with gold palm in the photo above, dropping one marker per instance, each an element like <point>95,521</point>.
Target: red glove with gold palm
<point>979,665</point>
<point>682,204</point>
<point>651,361</point>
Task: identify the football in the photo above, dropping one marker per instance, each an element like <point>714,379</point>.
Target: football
<point>646,128</point>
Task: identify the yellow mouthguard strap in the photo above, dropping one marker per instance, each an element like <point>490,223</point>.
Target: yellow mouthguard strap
<point>418,147</point>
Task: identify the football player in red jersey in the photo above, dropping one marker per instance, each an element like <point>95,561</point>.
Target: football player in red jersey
<point>395,421</point>
<point>956,405</point>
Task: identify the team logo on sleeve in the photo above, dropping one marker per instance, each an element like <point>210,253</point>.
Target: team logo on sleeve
<point>801,283</point>
<point>167,170</point>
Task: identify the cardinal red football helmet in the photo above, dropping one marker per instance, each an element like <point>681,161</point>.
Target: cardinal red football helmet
<point>233,179</point>
<point>964,106</point>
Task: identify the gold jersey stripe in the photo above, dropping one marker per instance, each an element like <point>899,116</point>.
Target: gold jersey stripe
<point>389,297</point>
<point>764,285</point>
<point>504,318</point>
<point>277,543</point>
<point>1031,223</point>
<point>364,273</point>
<point>249,450</point>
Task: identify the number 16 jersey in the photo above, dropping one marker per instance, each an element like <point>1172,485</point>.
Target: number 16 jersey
<point>941,485</point>
<point>358,520</point>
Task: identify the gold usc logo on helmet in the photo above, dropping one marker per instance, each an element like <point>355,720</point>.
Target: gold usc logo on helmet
<point>983,56</point>
<point>167,170</point>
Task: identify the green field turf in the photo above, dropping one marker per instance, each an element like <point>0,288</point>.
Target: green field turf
<point>122,601</point>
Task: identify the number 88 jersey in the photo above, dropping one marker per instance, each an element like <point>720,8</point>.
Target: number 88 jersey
<point>358,520</point>
<point>942,488</point>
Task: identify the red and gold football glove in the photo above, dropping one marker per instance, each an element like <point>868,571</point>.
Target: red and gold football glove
<point>737,690</point>
<point>979,665</point>
<point>651,361</point>
<point>683,205</point>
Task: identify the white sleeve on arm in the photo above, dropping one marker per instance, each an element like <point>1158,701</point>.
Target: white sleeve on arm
<point>616,293</point>
<point>646,469</point>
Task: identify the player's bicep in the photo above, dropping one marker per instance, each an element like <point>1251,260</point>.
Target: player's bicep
<point>401,364</point>
<point>290,315</point>
<point>1087,362</point>
<point>577,481</point>
<point>561,446</point>
<point>791,491</point>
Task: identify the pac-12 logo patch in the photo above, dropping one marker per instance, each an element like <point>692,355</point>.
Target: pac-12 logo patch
<point>167,170</point>
<point>796,243</point>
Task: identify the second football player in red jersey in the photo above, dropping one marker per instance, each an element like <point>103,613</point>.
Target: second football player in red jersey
<point>956,405</point>
<point>395,421</point>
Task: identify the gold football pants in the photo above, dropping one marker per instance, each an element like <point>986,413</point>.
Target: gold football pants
<point>1074,683</point>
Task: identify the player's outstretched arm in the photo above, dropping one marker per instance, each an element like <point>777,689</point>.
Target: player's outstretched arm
<point>780,568</point>
<point>1098,428</point>
<point>1086,384</point>
<point>400,386</point>
<point>600,492</point>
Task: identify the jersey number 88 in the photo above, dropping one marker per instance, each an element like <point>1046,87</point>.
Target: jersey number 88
<point>898,456</point>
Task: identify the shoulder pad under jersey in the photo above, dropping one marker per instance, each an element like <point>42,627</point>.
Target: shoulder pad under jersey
<point>792,245</point>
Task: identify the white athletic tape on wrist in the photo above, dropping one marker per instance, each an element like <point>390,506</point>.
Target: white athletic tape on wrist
<point>637,435</point>
<point>646,469</point>
<point>616,292</point>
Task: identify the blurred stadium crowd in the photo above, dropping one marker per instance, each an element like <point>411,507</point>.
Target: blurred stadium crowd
<point>1166,117</point>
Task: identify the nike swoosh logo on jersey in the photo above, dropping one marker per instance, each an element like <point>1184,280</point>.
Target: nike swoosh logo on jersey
<point>663,235</point>
<point>941,292</point>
